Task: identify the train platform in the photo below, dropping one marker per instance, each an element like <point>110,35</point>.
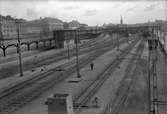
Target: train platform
<point>66,86</point>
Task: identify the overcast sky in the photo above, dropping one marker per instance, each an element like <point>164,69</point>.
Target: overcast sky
<point>92,13</point>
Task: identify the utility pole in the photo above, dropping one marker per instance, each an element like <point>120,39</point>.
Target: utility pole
<point>117,42</point>
<point>149,76</point>
<point>19,50</point>
<point>155,78</point>
<point>165,36</point>
<point>77,58</point>
<point>127,34</point>
<point>40,35</point>
<point>68,49</point>
<point>117,38</point>
<point>67,37</point>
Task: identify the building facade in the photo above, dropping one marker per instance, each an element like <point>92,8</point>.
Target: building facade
<point>27,29</point>
<point>40,28</point>
<point>48,25</point>
<point>8,27</point>
<point>73,24</point>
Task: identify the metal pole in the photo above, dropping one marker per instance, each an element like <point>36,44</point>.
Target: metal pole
<point>40,34</point>
<point>117,38</point>
<point>127,34</point>
<point>117,42</point>
<point>149,84</point>
<point>77,58</point>
<point>20,58</point>
<point>155,74</point>
<point>149,77</point>
<point>68,49</point>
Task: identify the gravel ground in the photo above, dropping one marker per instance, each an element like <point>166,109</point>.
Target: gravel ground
<point>11,68</point>
<point>136,102</point>
<point>38,107</point>
<point>162,78</point>
<point>108,91</point>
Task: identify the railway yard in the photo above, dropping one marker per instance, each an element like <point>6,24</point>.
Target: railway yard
<point>120,82</point>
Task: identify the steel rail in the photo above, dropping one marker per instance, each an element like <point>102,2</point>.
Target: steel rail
<point>26,97</point>
<point>123,89</point>
<point>85,96</point>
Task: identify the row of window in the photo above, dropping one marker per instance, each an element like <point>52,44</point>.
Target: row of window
<point>8,26</point>
<point>9,30</point>
<point>7,21</point>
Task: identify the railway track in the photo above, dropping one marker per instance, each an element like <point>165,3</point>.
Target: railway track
<point>67,64</point>
<point>13,58</point>
<point>87,94</point>
<point>82,50</point>
<point>12,69</point>
<point>17,96</point>
<point>115,105</point>
<point>163,51</point>
<point>157,71</point>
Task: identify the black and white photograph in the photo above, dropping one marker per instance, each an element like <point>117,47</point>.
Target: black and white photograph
<point>83,57</point>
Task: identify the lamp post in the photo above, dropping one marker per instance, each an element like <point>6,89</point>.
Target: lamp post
<point>77,58</point>
<point>19,50</point>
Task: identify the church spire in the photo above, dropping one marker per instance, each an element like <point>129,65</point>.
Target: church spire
<point>121,21</point>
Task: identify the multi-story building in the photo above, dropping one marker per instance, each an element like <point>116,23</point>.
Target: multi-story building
<point>27,29</point>
<point>43,26</point>
<point>32,27</point>
<point>73,24</point>
<point>7,27</point>
<point>49,24</point>
<point>83,26</point>
<point>162,24</point>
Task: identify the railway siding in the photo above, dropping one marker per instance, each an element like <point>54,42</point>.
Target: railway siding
<point>121,92</point>
<point>73,88</point>
<point>136,98</point>
<point>108,89</point>
<point>28,96</point>
<point>162,85</point>
<point>11,68</point>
